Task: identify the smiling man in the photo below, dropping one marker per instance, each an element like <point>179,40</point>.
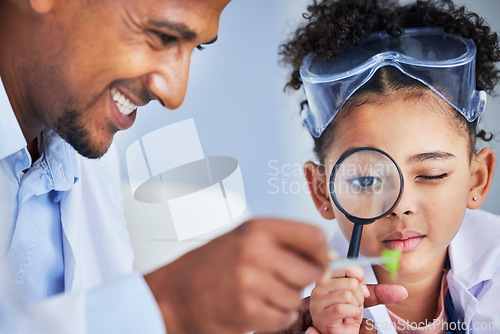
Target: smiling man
<point>73,74</point>
<point>81,68</point>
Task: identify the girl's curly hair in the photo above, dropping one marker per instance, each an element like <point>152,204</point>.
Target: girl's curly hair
<point>333,25</point>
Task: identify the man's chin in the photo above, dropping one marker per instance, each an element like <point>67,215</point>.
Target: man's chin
<point>89,149</point>
<point>89,141</point>
<point>91,153</point>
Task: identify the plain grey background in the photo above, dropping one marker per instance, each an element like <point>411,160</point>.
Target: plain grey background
<point>235,96</point>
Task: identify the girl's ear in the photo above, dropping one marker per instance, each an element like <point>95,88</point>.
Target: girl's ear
<point>42,6</point>
<point>482,168</point>
<point>318,186</point>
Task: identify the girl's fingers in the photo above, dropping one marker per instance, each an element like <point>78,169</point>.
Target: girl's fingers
<point>343,311</point>
<point>340,284</point>
<point>334,298</point>
<point>352,272</point>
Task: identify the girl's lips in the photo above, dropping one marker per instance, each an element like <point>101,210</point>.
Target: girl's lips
<point>407,241</point>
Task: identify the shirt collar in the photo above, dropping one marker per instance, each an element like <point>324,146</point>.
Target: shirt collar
<point>474,252</point>
<point>11,137</point>
<point>60,156</point>
<point>61,159</point>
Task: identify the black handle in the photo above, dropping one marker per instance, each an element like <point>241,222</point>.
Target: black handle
<point>357,230</point>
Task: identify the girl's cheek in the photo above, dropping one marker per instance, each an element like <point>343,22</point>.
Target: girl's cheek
<point>370,243</point>
<point>345,227</point>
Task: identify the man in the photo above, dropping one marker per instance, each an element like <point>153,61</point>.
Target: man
<point>73,74</point>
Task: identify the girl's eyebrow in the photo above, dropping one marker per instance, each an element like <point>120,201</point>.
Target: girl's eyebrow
<point>437,155</point>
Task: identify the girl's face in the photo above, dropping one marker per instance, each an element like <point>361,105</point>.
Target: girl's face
<point>431,148</point>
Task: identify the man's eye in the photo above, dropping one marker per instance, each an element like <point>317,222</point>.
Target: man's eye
<point>165,39</point>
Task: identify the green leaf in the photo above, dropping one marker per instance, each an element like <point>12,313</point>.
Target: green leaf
<point>391,258</point>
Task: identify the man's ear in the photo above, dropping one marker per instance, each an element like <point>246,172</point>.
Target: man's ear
<point>42,6</point>
<point>318,187</point>
<point>482,168</point>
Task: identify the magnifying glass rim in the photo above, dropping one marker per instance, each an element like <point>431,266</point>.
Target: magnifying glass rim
<point>345,155</point>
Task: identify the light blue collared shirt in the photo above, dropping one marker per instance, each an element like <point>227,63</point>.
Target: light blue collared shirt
<point>36,248</point>
<point>64,235</point>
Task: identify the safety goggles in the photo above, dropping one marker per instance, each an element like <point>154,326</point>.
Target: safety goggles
<point>443,62</point>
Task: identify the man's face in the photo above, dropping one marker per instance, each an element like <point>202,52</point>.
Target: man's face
<point>96,61</point>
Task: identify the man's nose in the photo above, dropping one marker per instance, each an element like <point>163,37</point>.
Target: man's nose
<point>168,81</point>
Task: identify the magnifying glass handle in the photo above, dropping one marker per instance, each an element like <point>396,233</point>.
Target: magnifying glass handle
<point>357,230</point>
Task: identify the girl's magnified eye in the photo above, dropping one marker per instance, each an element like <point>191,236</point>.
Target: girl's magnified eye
<point>364,183</point>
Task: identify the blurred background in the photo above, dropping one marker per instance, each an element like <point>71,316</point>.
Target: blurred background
<point>236,99</point>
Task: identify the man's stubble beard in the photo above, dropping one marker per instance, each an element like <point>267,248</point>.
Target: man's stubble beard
<point>71,127</point>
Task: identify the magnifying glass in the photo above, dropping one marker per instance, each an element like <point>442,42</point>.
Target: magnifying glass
<point>366,184</point>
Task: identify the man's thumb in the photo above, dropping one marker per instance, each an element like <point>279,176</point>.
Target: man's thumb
<point>311,330</point>
<point>367,327</point>
<point>385,294</point>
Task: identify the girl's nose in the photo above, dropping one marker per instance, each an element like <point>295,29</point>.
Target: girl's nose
<point>407,203</point>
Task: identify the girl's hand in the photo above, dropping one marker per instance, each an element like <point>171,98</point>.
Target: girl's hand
<point>337,303</point>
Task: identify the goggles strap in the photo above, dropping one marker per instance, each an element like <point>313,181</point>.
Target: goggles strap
<point>478,103</point>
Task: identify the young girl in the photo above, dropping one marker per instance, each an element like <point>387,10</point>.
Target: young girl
<point>376,75</point>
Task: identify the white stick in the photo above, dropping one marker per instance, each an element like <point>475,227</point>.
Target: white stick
<point>346,263</point>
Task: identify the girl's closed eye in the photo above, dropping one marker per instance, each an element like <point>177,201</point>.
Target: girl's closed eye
<point>433,177</point>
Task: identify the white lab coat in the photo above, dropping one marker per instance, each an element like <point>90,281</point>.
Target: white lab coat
<point>473,280</point>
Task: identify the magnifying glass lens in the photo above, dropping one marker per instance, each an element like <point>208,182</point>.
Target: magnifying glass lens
<point>366,184</point>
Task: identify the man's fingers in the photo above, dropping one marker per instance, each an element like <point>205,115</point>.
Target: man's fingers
<point>274,320</point>
<point>385,294</point>
<point>367,327</point>
<point>312,330</point>
<point>305,240</point>
<point>293,270</point>
<point>272,289</point>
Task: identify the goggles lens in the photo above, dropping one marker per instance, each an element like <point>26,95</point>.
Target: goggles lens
<point>443,62</point>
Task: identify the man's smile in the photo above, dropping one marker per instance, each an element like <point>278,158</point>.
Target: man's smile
<point>123,110</point>
<point>125,106</point>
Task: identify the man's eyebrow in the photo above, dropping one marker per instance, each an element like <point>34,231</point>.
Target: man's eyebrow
<point>437,155</point>
<point>181,28</point>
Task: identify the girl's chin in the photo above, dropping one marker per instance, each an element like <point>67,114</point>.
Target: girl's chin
<point>408,266</point>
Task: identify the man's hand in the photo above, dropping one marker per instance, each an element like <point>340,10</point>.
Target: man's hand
<point>248,279</point>
<point>385,294</point>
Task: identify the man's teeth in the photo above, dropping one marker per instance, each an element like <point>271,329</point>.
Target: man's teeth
<point>123,104</point>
